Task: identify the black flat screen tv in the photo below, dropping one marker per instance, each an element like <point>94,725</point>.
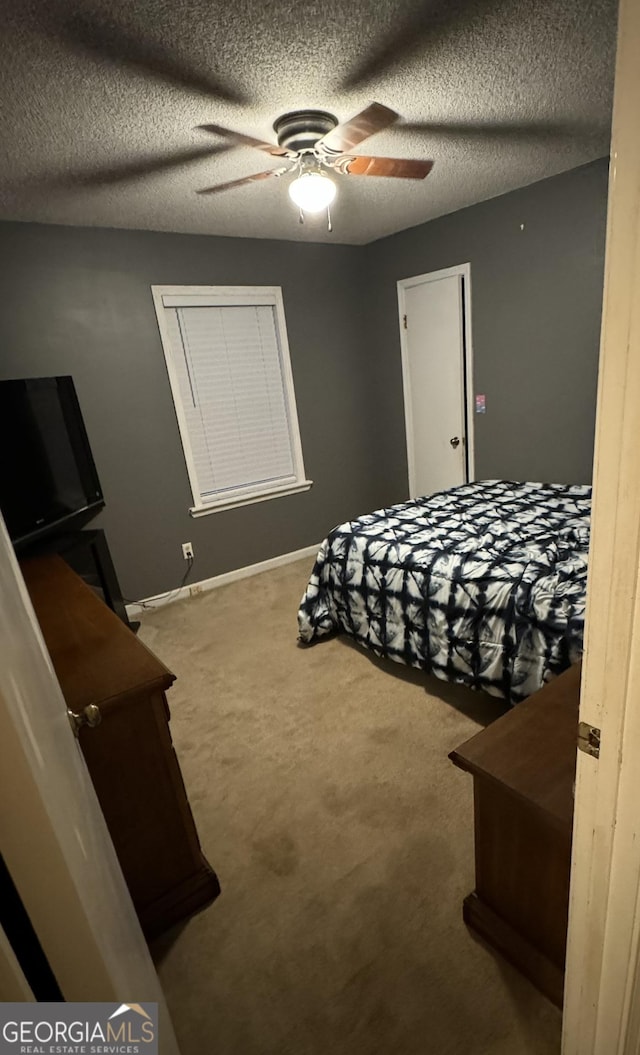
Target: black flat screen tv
<point>48,479</point>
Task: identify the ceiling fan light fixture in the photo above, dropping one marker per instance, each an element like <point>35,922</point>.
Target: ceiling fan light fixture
<point>312,191</point>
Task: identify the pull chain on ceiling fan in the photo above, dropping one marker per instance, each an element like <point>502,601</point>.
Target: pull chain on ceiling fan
<point>314,143</point>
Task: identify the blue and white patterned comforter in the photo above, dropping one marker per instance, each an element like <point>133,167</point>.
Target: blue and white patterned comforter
<point>484,584</point>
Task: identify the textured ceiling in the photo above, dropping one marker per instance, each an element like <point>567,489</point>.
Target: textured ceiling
<point>97,96</point>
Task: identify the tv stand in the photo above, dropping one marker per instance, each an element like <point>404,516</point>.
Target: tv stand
<point>87,553</point>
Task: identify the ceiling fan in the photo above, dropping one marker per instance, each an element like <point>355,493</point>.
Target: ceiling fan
<point>309,142</point>
<point>314,144</point>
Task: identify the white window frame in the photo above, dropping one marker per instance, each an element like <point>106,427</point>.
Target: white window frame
<point>222,296</point>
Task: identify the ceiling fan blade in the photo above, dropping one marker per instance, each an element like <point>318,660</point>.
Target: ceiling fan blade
<point>118,45</point>
<point>498,130</point>
<point>248,141</point>
<point>398,168</point>
<point>120,173</point>
<point>431,23</point>
<point>143,167</point>
<point>240,182</point>
<point>346,136</point>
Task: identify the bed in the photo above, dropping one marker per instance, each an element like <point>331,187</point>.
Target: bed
<point>483,585</point>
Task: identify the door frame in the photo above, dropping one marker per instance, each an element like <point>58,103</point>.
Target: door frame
<point>602,989</point>
<point>464,271</point>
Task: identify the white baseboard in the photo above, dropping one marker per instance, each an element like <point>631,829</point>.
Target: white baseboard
<point>193,589</point>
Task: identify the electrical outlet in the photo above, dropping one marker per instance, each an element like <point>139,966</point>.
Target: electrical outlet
<point>195,589</point>
<point>187,551</point>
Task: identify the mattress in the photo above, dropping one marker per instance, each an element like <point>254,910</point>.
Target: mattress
<point>483,584</point>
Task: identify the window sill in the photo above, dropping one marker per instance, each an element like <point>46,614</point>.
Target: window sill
<point>247,500</point>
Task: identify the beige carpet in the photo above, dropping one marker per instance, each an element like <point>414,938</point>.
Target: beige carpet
<point>343,839</point>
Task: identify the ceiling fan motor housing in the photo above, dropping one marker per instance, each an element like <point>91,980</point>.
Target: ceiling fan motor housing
<point>302,129</point>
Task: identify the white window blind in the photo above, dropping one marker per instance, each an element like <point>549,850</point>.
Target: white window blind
<point>231,380</point>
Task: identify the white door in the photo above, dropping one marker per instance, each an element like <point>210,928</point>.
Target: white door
<point>433,339</point>
<point>53,836</point>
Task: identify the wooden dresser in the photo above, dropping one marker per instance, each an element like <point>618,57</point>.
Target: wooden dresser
<point>130,755</point>
<point>523,768</point>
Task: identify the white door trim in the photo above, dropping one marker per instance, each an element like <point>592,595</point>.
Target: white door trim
<point>464,271</point>
<point>602,990</point>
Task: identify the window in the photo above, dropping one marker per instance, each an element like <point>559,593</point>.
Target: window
<point>228,362</point>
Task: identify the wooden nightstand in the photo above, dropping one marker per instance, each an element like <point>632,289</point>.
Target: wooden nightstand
<point>523,767</point>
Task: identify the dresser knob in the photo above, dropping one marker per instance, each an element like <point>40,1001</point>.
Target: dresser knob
<point>90,715</point>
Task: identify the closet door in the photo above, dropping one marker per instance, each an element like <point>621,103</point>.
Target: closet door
<point>433,358</point>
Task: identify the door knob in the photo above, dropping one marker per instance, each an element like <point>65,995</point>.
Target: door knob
<point>89,715</point>
<point>454,441</point>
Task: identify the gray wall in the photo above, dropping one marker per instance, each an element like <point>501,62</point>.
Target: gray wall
<point>536,305</point>
<point>78,301</point>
